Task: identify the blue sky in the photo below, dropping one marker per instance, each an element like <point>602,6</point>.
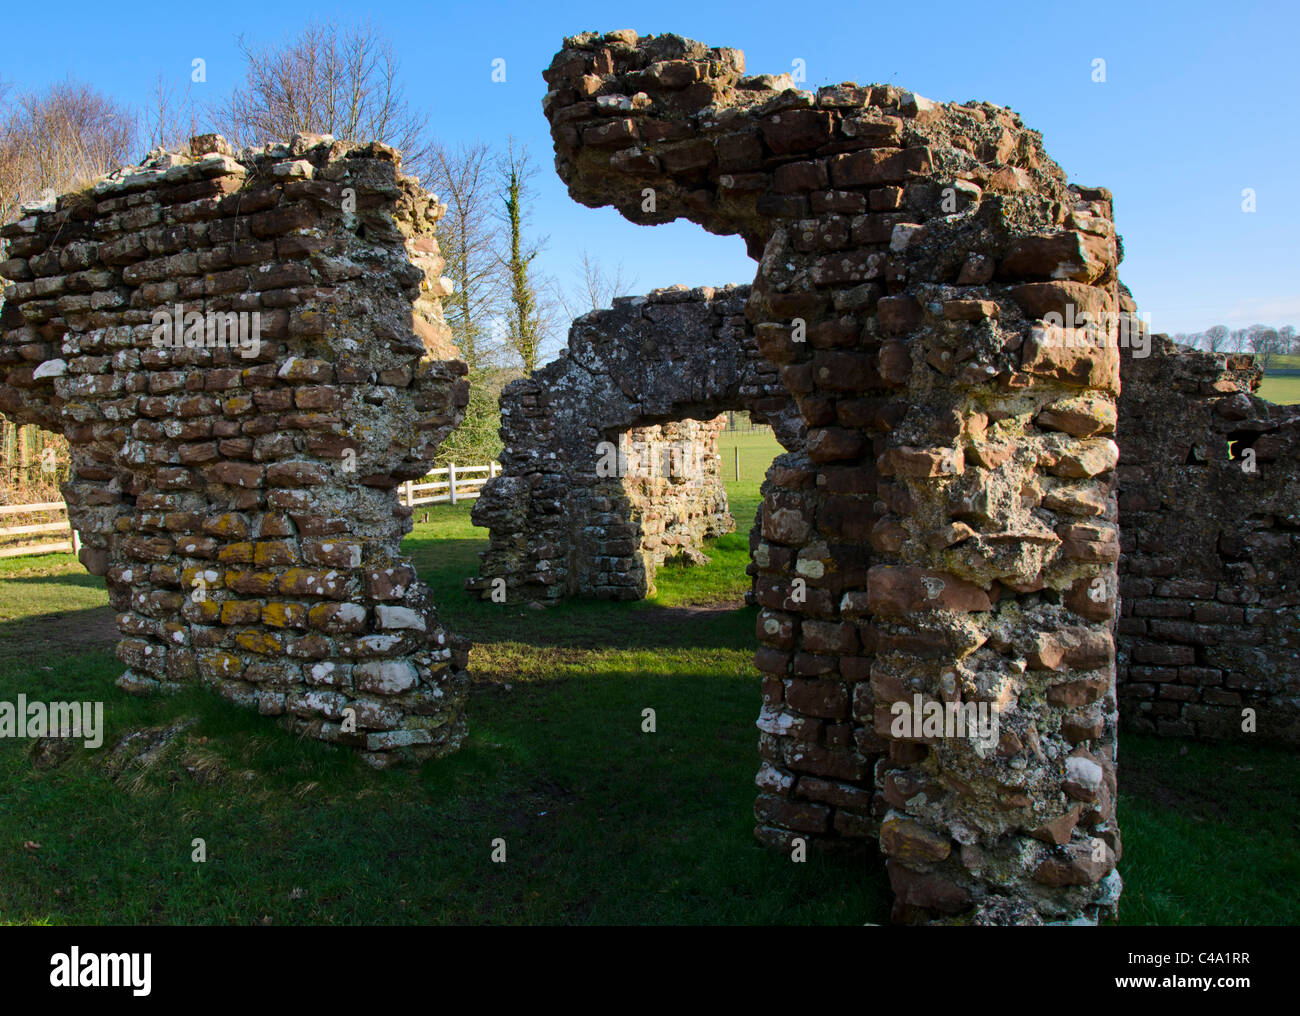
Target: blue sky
<point>1200,101</point>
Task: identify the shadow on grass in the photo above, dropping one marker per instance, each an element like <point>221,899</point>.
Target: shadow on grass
<point>601,822</point>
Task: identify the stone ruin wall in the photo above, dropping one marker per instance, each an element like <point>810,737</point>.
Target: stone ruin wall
<point>672,493</point>
<point>1210,571</point>
<point>950,529</point>
<point>240,501</point>
<point>665,364</point>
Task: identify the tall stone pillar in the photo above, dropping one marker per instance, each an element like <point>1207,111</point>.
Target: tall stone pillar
<point>930,288</point>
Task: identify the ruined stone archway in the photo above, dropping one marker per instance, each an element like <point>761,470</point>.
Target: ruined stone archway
<point>949,530</point>
<point>233,473</point>
<point>948,535</point>
<point>560,524</point>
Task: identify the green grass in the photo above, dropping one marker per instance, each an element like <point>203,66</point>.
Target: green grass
<point>602,823</point>
<point>1283,390</point>
<point>1211,833</point>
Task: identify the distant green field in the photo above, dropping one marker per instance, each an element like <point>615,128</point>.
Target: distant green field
<point>1284,390</point>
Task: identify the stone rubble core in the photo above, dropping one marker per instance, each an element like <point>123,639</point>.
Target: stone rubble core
<point>243,508</point>
<point>1210,564</point>
<point>650,377</point>
<point>949,529</point>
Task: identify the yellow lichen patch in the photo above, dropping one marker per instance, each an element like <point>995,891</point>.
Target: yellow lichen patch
<point>285,615</point>
<point>260,642</point>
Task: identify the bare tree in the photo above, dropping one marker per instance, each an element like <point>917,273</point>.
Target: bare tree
<point>1287,339</point>
<point>331,78</point>
<point>470,238</point>
<point>59,139</point>
<point>1216,338</point>
<point>171,120</point>
<point>596,287</point>
<point>1264,343</point>
<point>51,142</point>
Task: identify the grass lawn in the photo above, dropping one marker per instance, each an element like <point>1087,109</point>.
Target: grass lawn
<point>1284,390</point>
<point>602,823</point>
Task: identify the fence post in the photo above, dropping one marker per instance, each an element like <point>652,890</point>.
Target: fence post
<point>76,540</point>
<point>737,460</point>
<point>408,495</point>
<point>451,480</point>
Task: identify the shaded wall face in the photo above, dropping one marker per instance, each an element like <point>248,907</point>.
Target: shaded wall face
<point>948,537</point>
<point>236,350</point>
<point>1210,575</point>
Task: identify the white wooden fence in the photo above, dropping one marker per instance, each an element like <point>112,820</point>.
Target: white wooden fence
<point>450,485</point>
<point>72,544</point>
<point>459,483</point>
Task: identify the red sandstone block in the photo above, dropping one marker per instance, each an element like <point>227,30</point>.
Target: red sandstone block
<point>1078,256</point>
<point>898,591</point>
<point>842,795</point>
<point>822,698</point>
<point>911,842</point>
<point>838,202</point>
<point>926,462</point>
<point>1078,693</point>
<point>796,130</point>
<point>1180,692</point>
<point>810,665</point>
<point>876,166</point>
<point>241,474</point>
<point>1064,355</point>
<point>1220,697</point>
<point>833,444</point>
<point>772,661</point>
<point>1162,608</point>
<point>822,637</point>
<point>296,474</point>
<point>801,176</point>
<point>801,816</point>
<point>1200,676</point>
<point>1153,674</point>
<point>834,763</point>
<point>928,891</point>
<point>1217,613</point>
<point>1166,655</point>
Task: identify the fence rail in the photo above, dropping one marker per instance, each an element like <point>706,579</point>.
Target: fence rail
<point>457,483</point>
<point>461,483</point>
<point>71,545</point>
